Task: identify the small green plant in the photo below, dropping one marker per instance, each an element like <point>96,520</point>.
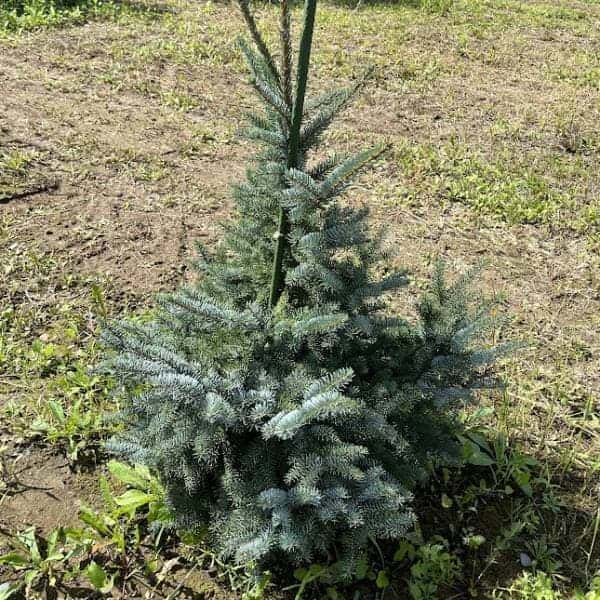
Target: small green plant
<point>119,520</point>
<point>439,7</point>
<point>331,582</point>
<point>75,418</point>
<point>541,555</point>
<point>43,564</point>
<point>538,586</point>
<point>433,567</point>
<point>124,538</point>
<point>570,137</point>
<point>508,466</point>
<point>258,589</point>
<point>144,493</point>
<point>114,544</point>
<point>179,100</point>
<point>77,430</point>
<point>245,580</point>
<point>16,162</point>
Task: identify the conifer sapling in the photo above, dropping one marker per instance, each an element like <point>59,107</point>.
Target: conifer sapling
<point>282,403</point>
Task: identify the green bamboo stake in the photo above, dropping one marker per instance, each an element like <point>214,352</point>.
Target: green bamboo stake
<point>310,8</point>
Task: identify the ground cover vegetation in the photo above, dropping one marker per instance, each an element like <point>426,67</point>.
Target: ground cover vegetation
<point>23,15</point>
<point>488,110</point>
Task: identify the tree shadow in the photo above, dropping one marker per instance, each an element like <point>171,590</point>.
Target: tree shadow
<point>432,6</point>
<point>155,7</point>
<point>20,7</point>
<point>520,530</point>
<point>437,6</point>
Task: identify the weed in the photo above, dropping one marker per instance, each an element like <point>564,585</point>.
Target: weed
<point>17,161</point>
<point>439,7</point>
<point>179,101</point>
<point>74,430</point>
<point>70,413</point>
<point>45,349</point>
<point>509,466</point>
<point>572,137</point>
<point>433,567</point>
<point>114,545</point>
<point>43,563</point>
<point>540,586</point>
<point>541,555</point>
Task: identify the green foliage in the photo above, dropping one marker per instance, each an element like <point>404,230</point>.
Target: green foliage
<point>308,576</point>
<point>534,587</point>
<point>258,588</point>
<point>73,416</point>
<point>540,586</point>
<point>544,402</point>
<point>119,522</point>
<point>54,564</point>
<point>19,15</point>
<point>113,544</point>
<point>99,579</point>
<point>333,582</point>
<point>433,567</point>
<point>441,7</point>
<point>509,190</point>
<point>16,162</point>
<point>59,402</point>
<point>74,429</point>
<point>42,563</point>
<point>298,423</point>
<point>509,465</point>
<point>594,590</point>
<point>144,493</point>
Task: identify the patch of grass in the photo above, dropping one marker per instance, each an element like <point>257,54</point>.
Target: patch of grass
<point>47,329</point>
<point>573,136</point>
<point>54,398</point>
<point>16,167</point>
<point>179,100</point>
<point>16,162</point>
<point>71,414</point>
<point>183,48</point>
<point>582,71</point>
<point>24,15</point>
<point>504,186</point>
<point>585,78</point>
<point>552,15</point>
<point>194,35</point>
<point>148,168</point>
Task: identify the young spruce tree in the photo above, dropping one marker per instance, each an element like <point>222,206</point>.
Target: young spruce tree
<point>282,404</point>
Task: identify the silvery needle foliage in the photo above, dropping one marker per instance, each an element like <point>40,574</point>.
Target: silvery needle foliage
<point>285,407</point>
